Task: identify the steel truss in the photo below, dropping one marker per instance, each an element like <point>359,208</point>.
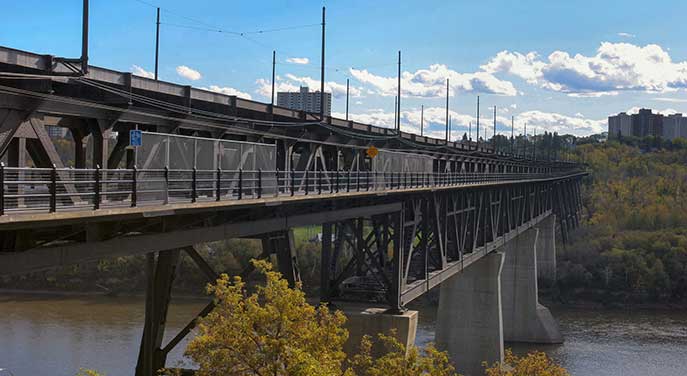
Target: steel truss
<point>394,258</point>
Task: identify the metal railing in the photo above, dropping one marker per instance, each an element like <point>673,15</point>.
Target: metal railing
<point>29,190</point>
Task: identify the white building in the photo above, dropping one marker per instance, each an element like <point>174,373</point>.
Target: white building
<point>305,100</point>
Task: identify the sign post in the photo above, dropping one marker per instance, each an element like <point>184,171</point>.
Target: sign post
<point>372,152</point>
<point>135,138</point>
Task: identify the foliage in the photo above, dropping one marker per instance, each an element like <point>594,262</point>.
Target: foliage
<point>634,247</point>
<point>398,361</point>
<point>271,331</point>
<point>275,331</point>
<point>533,364</point>
<point>88,372</point>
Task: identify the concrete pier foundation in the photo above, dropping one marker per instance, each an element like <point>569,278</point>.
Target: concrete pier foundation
<point>524,319</point>
<point>546,250</point>
<point>469,321</point>
<point>372,321</point>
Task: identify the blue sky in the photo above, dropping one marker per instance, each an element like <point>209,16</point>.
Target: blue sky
<point>557,65</point>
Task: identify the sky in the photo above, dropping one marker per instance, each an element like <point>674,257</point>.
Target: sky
<point>557,66</point>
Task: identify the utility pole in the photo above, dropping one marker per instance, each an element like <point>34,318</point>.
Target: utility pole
<point>477,122</point>
<point>493,138</point>
<point>512,133</point>
<point>157,42</point>
<point>274,68</point>
<point>447,86</point>
<point>534,145</point>
<point>398,88</point>
<point>84,39</point>
<point>322,69</point>
<point>449,127</point>
<point>347,99</point>
<point>524,143</point>
<point>395,107</point>
<point>422,119</point>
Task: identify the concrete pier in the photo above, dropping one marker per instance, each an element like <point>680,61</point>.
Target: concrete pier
<point>469,322</point>
<point>524,319</point>
<point>546,250</point>
<point>363,321</point>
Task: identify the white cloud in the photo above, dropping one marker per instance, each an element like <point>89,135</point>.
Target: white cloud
<point>265,87</point>
<point>227,91</point>
<point>435,122</point>
<point>138,71</point>
<point>665,111</point>
<point>615,67</point>
<point>626,35</point>
<point>298,60</point>
<point>671,100</point>
<point>563,124</point>
<point>188,73</point>
<point>291,82</point>
<point>431,82</point>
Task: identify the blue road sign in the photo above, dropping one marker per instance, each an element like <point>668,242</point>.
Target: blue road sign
<point>135,137</point>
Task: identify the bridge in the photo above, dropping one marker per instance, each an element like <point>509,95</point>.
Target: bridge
<point>400,213</point>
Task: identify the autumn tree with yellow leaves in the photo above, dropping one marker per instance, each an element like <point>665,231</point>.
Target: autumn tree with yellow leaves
<point>274,331</point>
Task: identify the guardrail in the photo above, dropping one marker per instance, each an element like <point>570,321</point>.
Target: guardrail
<point>28,190</point>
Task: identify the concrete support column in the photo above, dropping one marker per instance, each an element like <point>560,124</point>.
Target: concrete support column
<point>363,321</point>
<point>546,250</point>
<point>469,322</point>
<point>524,319</point>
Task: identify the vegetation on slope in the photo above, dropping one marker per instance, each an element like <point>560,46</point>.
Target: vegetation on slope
<point>634,245</point>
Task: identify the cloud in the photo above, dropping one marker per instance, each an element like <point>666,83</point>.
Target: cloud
<point>431,82</point>
<point>626,35</point>
<point>188,73</point>
<point>666,111</point>
<point>671,100</point>
<point>227,91</point>
<point>614,68</point>
<point>563,124</point>
<point>291,82</point>
<point>138,71</point>
<point>298,60</point>
<point>435,122</point>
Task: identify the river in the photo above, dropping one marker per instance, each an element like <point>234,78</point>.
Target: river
<point>49,335</point>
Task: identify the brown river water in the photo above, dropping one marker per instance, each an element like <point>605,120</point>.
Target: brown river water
<point>49,335</point>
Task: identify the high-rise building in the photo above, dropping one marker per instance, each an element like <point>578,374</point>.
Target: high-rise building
<point>642,124</point>
<point>305,100</point>
<point>674,126</point>
<point>645,123</point>
<point>619,125</point>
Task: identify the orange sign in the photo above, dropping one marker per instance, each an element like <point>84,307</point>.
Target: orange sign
<point>372,152</point>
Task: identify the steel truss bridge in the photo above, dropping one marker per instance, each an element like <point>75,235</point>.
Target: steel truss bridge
<point>390,232</point>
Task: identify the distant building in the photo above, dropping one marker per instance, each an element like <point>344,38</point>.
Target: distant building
<point>619,125</point>
<point>642,124</point>
<point>305,100</point>
<point>674,126</point>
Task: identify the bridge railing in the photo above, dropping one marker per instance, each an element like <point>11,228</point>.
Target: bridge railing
<point>38,190</point>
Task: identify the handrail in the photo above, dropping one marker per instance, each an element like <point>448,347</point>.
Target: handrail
<point>30,190</point>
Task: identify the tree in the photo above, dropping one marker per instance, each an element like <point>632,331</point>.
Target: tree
<point>398,361</point>
<point>272,331</point>
<point>533,364</point>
